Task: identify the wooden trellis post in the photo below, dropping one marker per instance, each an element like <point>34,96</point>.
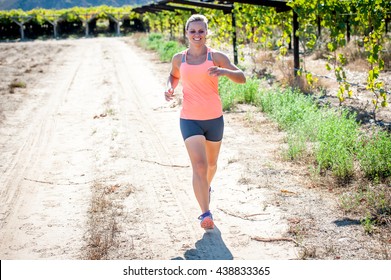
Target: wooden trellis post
<point>117,22</point>
<point>54,23</point>
<point>86,21</point>
<point>21,24</point>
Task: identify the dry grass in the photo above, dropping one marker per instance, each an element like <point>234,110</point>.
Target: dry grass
<point>298,229</point>
<point>105,215</point>
<point>262,62</point>
<point>103,221</point>
<point>370,202</point>
<point>264,58</point>
<point>288,79</point>
<point>386,56</point>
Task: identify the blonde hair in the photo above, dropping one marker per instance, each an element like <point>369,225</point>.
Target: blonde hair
<point>196,17</point>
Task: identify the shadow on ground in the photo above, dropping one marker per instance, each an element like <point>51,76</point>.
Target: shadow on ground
<point>347,222</point>
<point>210,247</point>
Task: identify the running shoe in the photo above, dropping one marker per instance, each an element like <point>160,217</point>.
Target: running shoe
<point>206,220</point>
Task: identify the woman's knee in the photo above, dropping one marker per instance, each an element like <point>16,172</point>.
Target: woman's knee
<point>212,166</point>
<point>200,167</point>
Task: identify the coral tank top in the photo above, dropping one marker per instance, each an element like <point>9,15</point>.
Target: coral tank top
<point>201,100</point>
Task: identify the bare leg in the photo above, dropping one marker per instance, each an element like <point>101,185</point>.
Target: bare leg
<point>203,156</point>
<point>212,154</point>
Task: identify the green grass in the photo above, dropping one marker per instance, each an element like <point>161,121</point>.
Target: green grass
<point>332,139</point>
<point>288,107</point>
<point>165,48</point>
<point>332,136</point>
<point>336,138</point>
<point>374,155</point>
<point>232,93</point>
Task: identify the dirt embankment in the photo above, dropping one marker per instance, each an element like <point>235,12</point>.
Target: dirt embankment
<point>93,166</point>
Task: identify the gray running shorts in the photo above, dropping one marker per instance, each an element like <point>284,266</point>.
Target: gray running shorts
<point>212,129</point>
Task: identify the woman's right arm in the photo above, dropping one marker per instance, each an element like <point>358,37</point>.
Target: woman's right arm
<point>174,77</point>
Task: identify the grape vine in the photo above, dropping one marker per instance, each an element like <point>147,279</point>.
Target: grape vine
<point>324,25</point>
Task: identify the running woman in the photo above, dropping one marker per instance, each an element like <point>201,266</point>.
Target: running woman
<point>201,116</point>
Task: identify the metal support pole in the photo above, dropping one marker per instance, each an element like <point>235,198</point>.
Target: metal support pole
<point>234,36</point>
<point>319,26</point>
<point>296,58</point>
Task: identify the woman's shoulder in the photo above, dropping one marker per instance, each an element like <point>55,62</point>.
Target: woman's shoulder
<point>217,52</point>
<point>177,58</point>
<point>178,55</point>
<point>218,56</point>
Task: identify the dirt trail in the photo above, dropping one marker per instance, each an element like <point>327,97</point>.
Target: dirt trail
<point>93,166</point>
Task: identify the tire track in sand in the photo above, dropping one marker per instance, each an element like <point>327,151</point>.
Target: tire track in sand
<point>40,206</point>
<point>155,224</point>
<point>36,138</point>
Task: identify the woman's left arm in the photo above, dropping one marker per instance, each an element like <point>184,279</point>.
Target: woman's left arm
<point>224,67</point>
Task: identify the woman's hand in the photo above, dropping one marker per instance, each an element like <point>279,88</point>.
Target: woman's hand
<point>169,94</point>
<point>224,67</point>
<point>216,71</point>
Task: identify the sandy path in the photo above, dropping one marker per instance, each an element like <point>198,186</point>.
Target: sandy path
<point>100,128</point>
<point>93,166</point>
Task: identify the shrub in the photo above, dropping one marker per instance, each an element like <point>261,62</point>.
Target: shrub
<point>374,155</point>
<point>337,137</point>
<point>232,93</point>
<point>333,133</point>
<point>168,49</point>
<point>165,49</point>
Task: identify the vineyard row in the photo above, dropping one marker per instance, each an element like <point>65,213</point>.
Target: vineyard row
<point>316,24</point>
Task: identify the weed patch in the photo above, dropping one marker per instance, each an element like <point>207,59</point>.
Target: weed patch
<point>232,93</point>
<point>374,155</point>
<point>103,222</point>
<point>165,48</point>
<point>16,84</point>
<point>372,203</point>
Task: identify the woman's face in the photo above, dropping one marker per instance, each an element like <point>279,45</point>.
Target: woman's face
<point>196,32</point>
